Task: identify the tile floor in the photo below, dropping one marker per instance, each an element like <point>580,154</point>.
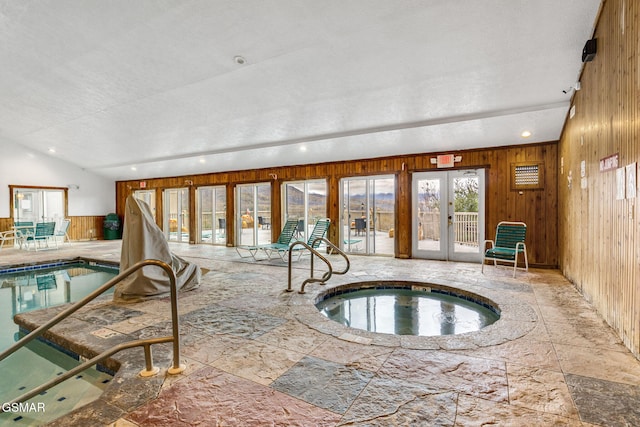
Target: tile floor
<point>257,355</point>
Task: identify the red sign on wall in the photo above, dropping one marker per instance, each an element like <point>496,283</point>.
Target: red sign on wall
<point>609,163</point>
<point>446,160</point>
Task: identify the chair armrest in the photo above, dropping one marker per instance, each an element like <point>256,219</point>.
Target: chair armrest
<point>488,241</point>
<point>521,247</point>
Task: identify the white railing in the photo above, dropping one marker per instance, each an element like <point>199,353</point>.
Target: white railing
<point>465,227</point>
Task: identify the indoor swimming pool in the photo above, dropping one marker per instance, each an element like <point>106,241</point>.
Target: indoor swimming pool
<point>29,288</point>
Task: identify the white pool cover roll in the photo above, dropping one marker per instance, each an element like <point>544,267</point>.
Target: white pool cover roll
<point>143,239</point>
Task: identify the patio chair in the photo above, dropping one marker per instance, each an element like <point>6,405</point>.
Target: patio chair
<point>264,223</point>
<point>319,230</point>
<point>283,242</point>
<point>43,234</point>
<point>509,243</point>
<point>360,225</point>
<point>222,227</point>
<point>5,236</point>
<point>352,244</point>
<point>61,232</point>
<point>23,229</point>
<point>299,231</point>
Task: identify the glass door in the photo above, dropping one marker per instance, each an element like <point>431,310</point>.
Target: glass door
<point>176,214</point>
<point>38,205</point>
<point>305,201</point>
<point>212,215</point>
<point>253,203</point>
<point>368,215</point>
<point>149,197</point>
<point>448,215</point>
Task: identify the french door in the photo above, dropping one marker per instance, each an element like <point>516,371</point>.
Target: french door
<point>448,215</point>
<point>212,215</point>
<point>38,204</point>
<point>253,203</point>
<point>176,214</point>
<point>149,197</point>
<point>368,215</point>
<point>305,201</point>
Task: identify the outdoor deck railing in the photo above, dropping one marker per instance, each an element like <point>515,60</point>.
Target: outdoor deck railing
<point>465,227</point>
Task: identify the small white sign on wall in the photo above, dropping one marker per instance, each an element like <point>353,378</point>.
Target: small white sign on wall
<point>583,175</point>
<point>631,180</point>
<point>620,183</point>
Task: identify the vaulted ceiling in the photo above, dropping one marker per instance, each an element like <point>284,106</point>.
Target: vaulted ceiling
<point>147,88</point>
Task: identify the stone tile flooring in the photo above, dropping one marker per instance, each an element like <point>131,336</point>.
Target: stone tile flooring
<point>257,355</point>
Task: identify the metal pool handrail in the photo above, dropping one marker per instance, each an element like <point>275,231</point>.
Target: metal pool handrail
<point>146,343</point>
<point>327,275</point>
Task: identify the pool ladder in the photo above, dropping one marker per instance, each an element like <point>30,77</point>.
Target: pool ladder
<point>314,253</point>
<point>149,370</point>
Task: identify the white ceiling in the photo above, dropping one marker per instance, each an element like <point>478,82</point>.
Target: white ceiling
<point>153,84</point>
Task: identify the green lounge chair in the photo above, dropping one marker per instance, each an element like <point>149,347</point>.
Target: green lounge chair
<point>319,230</point>
<point>508,245</point>
<point>283,242</point>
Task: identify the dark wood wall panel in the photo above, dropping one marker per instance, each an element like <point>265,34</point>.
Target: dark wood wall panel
<point>598,249</point>
<point>86,227</point>
<point>6,224</point>
<point>537,208</point>
<point>81,228</point>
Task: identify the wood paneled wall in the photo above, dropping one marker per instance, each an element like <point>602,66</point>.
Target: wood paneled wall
<point>599,233</point>
<point>538,208</point>
<point>81,228</point>
<point>86,227</point>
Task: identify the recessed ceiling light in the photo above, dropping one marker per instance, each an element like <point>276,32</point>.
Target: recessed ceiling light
<point>133,168</point>
<point>239,60</point>
<point>525,134</point>
<point>303,148</point>
<point>202,161</point>
<point>52,150</point>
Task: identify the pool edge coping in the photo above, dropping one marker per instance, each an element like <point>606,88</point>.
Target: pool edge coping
<point>517,319</point>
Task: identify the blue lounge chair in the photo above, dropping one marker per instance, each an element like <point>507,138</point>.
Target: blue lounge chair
<point>283,242</point>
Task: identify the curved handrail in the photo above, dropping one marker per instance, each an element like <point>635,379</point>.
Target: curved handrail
<point>338,250</point>
<point>146,343</point>
<point>327,275</point>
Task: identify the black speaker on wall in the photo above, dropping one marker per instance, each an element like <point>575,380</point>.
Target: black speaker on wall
<point>589,50</point>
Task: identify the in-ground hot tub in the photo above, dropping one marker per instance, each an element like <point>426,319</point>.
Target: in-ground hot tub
<point>407,308</point>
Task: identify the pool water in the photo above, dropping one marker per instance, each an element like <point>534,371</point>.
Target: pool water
<point>39,362</point>
<point>406,312</point>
